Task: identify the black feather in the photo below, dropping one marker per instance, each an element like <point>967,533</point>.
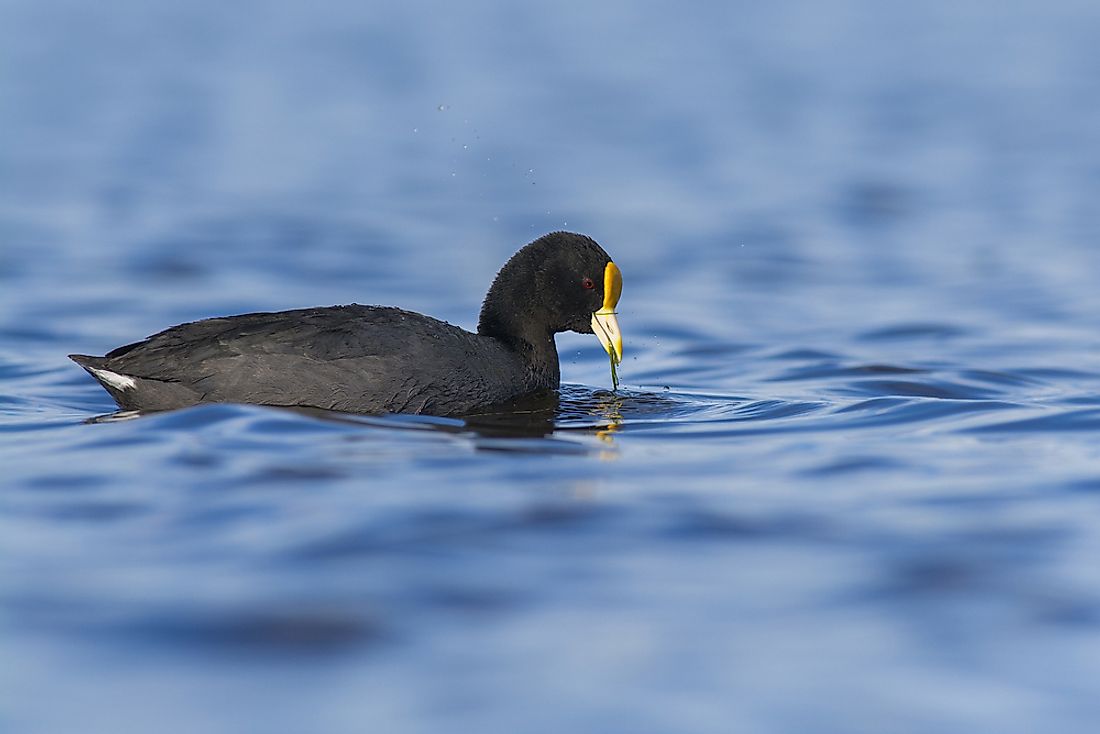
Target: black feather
<point>372,359</point>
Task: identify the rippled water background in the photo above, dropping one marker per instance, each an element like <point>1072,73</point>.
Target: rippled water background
<point>852,483</point>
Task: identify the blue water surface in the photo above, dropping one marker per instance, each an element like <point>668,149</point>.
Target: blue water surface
<point>851,482</point>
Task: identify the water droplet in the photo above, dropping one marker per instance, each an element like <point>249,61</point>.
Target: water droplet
<point>416,129</point>
<point>466,147</point>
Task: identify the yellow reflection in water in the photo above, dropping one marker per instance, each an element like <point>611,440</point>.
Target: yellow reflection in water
<point>609,407</point>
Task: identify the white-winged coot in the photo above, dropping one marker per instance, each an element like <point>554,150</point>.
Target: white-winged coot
<point>374,359</point>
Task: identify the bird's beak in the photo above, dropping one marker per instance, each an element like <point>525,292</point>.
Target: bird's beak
<point>604,322</point>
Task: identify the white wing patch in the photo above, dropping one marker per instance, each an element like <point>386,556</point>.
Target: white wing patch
<point>114,379</point>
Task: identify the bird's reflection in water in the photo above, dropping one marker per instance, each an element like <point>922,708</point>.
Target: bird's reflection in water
<point>574,410</point>
<point>529,417</point>
<point>548,423</point>
<point>609,407</point>
<point>117,417</point>
<point>555,419</point>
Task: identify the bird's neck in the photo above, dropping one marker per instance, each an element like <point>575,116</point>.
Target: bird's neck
<point>534,344</point>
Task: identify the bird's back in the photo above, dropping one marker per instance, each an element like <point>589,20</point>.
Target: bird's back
<point>354,358</point>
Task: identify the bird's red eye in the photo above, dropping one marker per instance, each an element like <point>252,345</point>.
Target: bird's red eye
<point>587,283</point>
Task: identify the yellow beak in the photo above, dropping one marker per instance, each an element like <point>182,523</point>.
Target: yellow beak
<point>604,322</point>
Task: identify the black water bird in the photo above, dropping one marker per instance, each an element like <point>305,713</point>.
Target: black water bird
<point>375,359</point>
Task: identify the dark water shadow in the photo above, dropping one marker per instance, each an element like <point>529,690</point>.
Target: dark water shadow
<point>555,422</point>
<point>581,421</point>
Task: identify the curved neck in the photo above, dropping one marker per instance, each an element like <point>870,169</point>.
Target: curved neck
<point>523,334</point>
<point>509,315</point>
